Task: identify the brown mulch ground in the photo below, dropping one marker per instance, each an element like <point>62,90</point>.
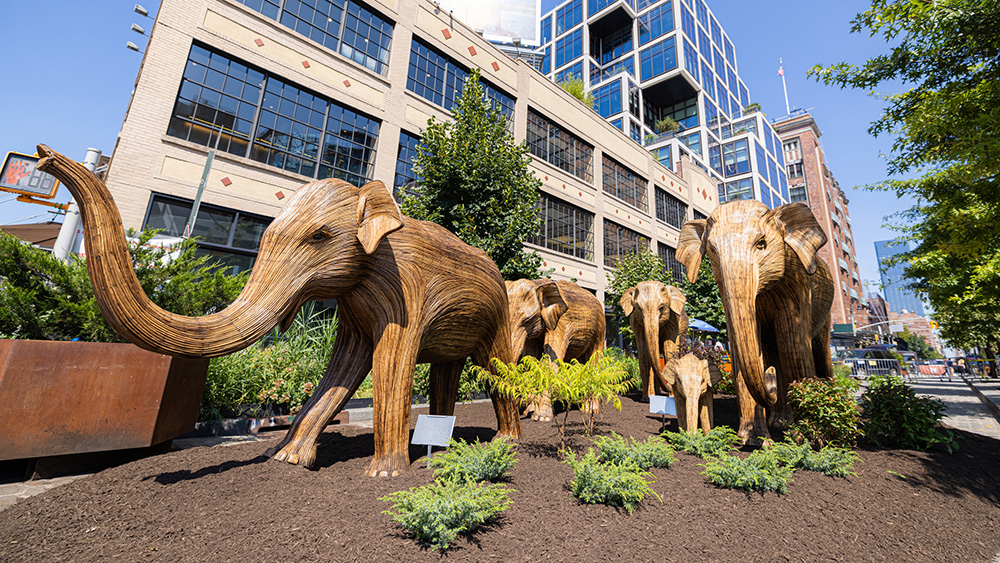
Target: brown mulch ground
<point>231,504</point>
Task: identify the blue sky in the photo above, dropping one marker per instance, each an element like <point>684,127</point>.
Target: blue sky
<point>70,78</point>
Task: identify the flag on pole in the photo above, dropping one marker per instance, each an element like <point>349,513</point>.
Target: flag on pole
<point>781,70</point>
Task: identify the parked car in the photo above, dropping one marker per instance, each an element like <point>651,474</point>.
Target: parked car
<point>866,362</point>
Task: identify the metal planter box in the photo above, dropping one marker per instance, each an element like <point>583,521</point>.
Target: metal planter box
<point>59,398</point>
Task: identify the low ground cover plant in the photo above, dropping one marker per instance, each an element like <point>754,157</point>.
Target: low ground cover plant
<point>830,460</point>
<point>826,412</point>
<point>719,441</point>
<point>434,515</point>
<point>896,416</point>
<point>487,461</point>
<point>760,471</point>
<point>652,452</point>
<point>595,482</point>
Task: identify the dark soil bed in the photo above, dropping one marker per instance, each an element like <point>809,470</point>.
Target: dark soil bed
<point>231,504</point>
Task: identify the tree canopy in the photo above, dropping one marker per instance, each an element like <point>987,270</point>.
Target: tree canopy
<point>474,180</point>
<point>946,125</point>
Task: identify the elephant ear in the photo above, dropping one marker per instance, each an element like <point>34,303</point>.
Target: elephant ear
<point>551,303</point>
<point>627,301</point>
<point>712,373</point>
<point>669,372</point>
<point>378,215</point>
<point>691,247</point>
<point>802,232</point>
<point>675,298</point>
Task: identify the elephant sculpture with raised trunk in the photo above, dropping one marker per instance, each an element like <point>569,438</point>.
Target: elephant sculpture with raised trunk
<point>408,291</point>
<point>777,294</point>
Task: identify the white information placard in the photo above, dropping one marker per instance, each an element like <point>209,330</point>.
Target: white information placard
<point>433,430</point>
<point>659,404</point>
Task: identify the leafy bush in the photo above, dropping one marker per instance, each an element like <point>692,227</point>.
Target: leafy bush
<point>489,461</point>
<point>468,383</point>
<point>436,514</point>
<point>281,369</point>
<point>719,441</point>
<point>761,471</point>
<point>826,412</point>
<point>628,362</point>
<point>830,460</point>
<point>653,452</point>
<point>896,416</point>
<point>623,486</point>
<point>43,298</point>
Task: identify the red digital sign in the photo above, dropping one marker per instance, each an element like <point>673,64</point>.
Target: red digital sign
<point>20,175</point>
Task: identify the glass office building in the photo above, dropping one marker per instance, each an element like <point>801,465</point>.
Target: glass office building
<point>897,295</point>
<point>650,60</point>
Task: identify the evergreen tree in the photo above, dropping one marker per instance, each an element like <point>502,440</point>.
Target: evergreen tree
<point>473,179</point>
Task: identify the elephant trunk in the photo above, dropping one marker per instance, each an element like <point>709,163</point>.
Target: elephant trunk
<point>648,344</point>
<point>124,303</point>
<point>744,330</point>
<point>691,408</point>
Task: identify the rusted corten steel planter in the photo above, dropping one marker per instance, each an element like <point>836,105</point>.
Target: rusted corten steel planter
<point>59,398</point>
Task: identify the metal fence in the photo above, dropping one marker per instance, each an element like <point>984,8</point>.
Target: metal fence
<point>863,368</point>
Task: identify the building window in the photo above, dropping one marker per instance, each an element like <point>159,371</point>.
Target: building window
<point>594,6</point>
<point>799,193</point>
<point>609,47</point>
<point>704,45</point>
<point>293,129</point>
<point>618,123</point>
<point>598,75</point>
<point>405,180</point>
<point>693,142</point>
<point>636,131</point>
<point>744,95</point>
<point>656,22</point>
<point>765,195</point>
<point>720,65</point>
<point>707,81</point>
<point>620,241</point>
<point>736,158</point>
<point>670,210</point>
<point>793,152</point>
<point>698,215</point>
<point>687,23</point>
<point>761,161</point>
<point>440,80</point>
<point>569,16</point>
<point>685,113</point>
<point>565,228</point>
<point>715,158</point>
<point>228,236</point>
<point>559,147</point>
<point>740,189</point>
<point>569,47</point>
<point>730,52</point>
<point>702,11</point>
<point>608,99</point>
<point>546,30</point>
<point>669,256</point>
<point>664,156</point>
<point>691,60</point>
<point>348,28</point>
<point>571,72</point>
<point>546,61</point>
<point>625,184</point>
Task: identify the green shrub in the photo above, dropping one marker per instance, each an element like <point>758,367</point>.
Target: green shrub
<point>436,514</point>
<point>761,471</point>
<point>719,441</point>
<point>623,486</point>
<point>830,460</point>
<point>280,369</point>
<point>896,416</point>
<point>826,412</point>
<point>489,461</point>
<point>468,384</point>
<point>653,452</point>
<point>629,363</point>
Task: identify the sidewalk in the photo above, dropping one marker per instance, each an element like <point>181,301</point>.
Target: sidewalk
<point>965,409</point>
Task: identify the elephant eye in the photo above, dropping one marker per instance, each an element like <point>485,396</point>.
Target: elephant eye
<point>761,244</point>
<point>320,236</point>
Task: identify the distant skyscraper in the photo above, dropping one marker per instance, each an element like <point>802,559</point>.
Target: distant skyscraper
<point>897,295</point>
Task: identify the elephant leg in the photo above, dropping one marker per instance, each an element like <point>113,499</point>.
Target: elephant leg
<point>555,349</point>
<point>444,380</point>
<point>705,411</point>
<point>506,408</point>
<point>393,363</point>
<point>753,423</point>
<point>821,352</point>
<point>795,362</point>
<point>350,362</point>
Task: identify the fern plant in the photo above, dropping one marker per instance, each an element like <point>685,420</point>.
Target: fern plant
<point>489,461</point>
<point>624,486</point>
<point>436,514</point>
<point>653,452</point>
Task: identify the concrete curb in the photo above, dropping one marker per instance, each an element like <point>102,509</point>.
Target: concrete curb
<point>990,404</point>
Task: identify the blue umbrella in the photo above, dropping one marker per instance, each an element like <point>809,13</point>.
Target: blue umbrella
<point>701,325</point>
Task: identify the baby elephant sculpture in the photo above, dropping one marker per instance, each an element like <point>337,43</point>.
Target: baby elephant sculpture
<point>558,319</point>
<point>408,291</point>
<point>656,315</point>
<point>777,295</point>
<point>693,382</point>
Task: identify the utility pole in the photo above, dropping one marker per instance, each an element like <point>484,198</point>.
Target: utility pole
<point>66,241</point>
